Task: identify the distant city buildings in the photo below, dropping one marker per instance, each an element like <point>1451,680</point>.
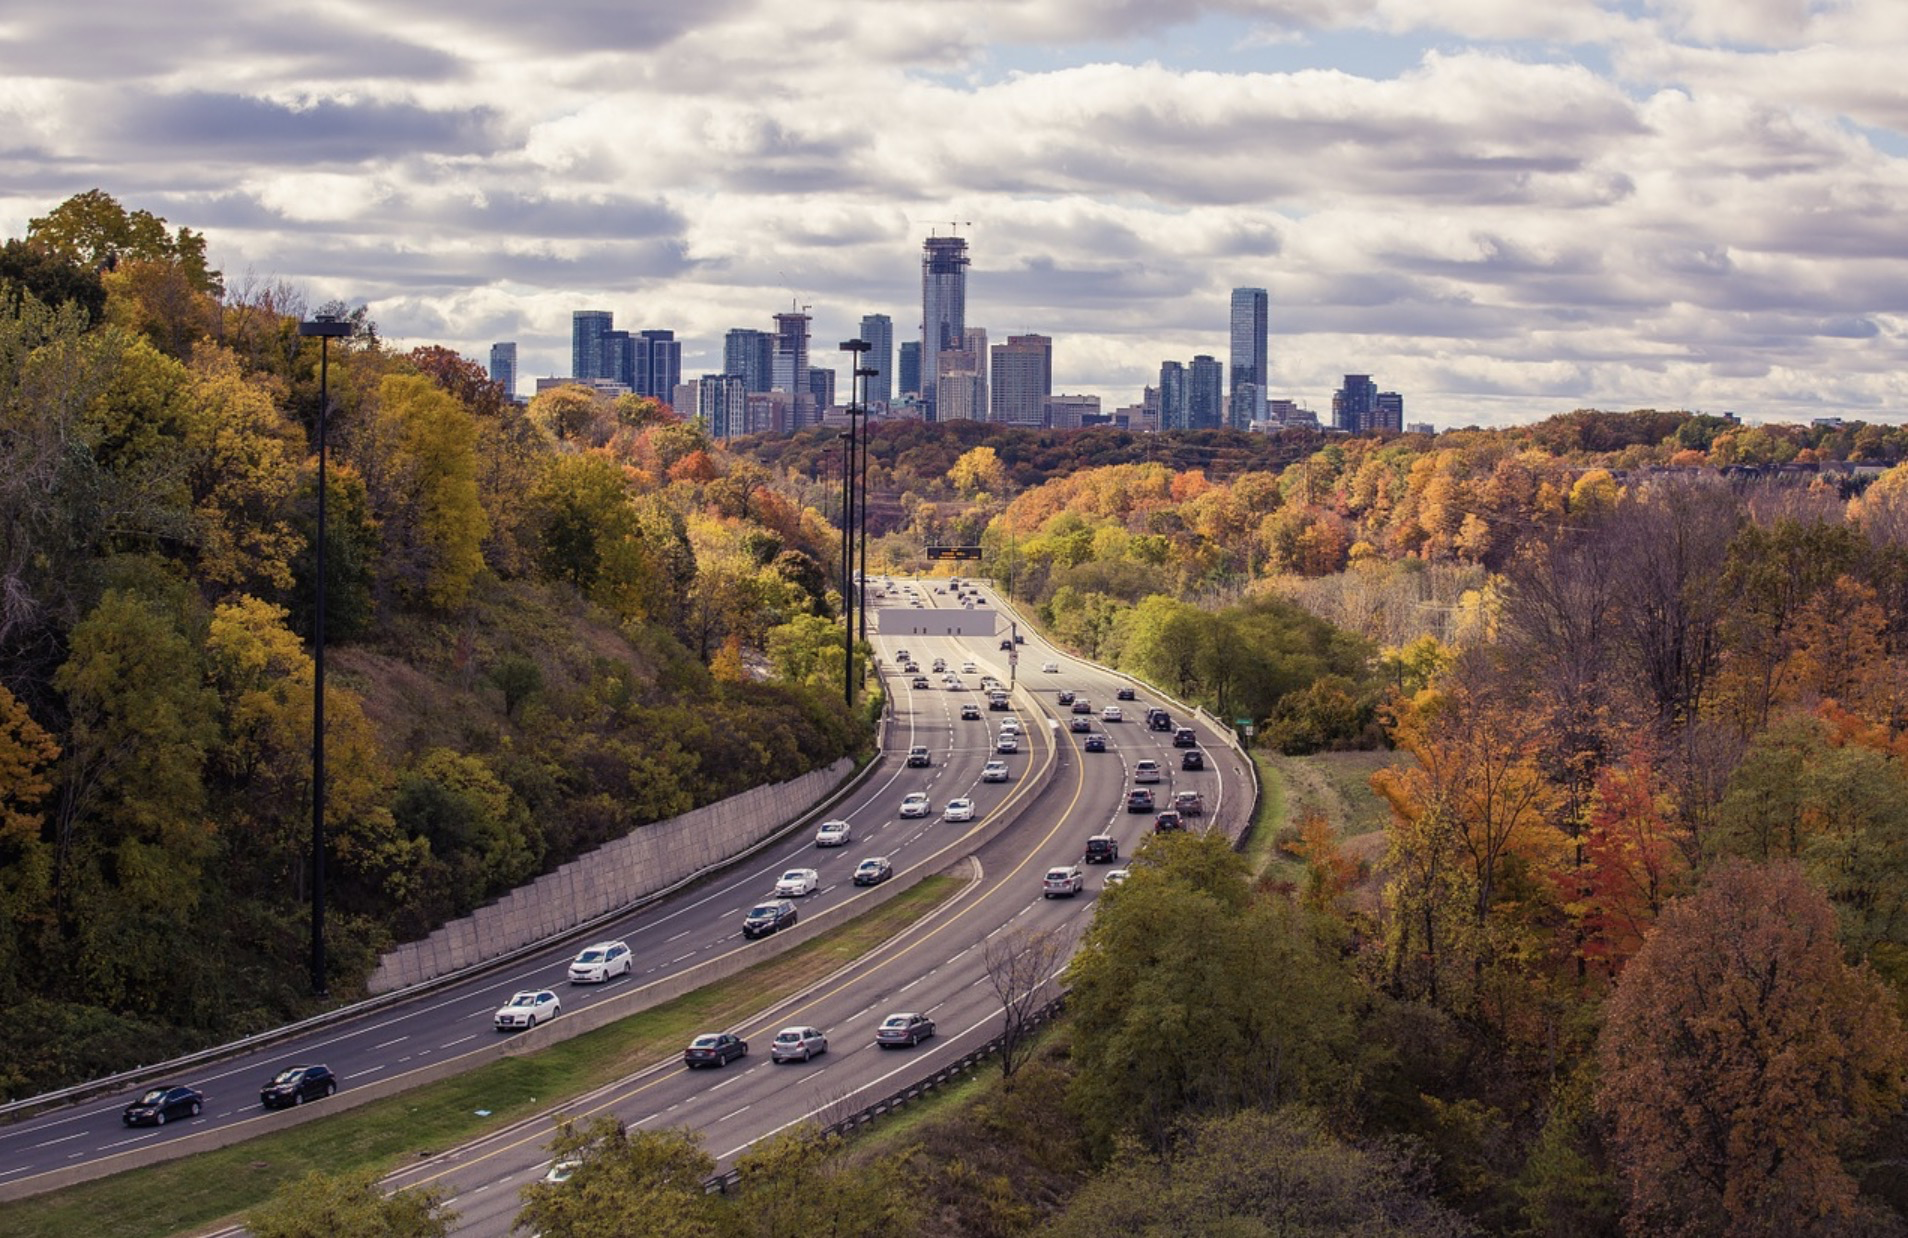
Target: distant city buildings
<point>1072,412</point>
<point>908,368</point>
<point>960,393</point>
<point>587,329</point>
<point>749,355</point>
<point>821,385</point>
<point>790,365</point>
<point>1205,393</point>
<point>503,367</point>
<point>1022,374</point>
<point>1174,412</point>
<point>1358,407</point>
<point>1250,373</point>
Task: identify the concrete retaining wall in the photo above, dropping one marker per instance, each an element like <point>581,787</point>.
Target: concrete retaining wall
<point>651,858</point>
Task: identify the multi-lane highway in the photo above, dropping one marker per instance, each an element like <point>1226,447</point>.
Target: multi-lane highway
<point>1063,795</point>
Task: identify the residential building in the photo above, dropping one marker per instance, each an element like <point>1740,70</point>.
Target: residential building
<point>503,367</point>
<point>718,402</point>
<point>1173,411</point>
<point>943,307</point>
<point>1250,367</point>
<point>878,330</point>
<point>1022,377</point>
<point>1420,427</point>
<point>655,363</point>
<point>587,329</point>
<point>1355,404</point>
<point>1390,412</point>
<point>1206,393</point>
<point>960,392</point>
<point>750,355</point>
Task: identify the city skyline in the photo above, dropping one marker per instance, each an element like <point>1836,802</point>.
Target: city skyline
<point>1506,210</point>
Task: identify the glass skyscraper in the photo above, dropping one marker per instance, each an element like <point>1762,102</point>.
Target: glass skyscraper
<point>1205,393</point>
<point>503,367</point>
<point>943,306</point>
<point>878,330</point>
<point>587,329</point>
<point>1250,364</point>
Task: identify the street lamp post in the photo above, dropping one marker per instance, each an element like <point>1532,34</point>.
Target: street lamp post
<point>858,507</point>
<point>864,373</point>
<point>847,438</point>
<point>326,327</point>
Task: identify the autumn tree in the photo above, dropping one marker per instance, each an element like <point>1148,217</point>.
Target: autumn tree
<point>420,462</point>
<point>242,459</point>
<point>978,471</point>
<point>1631,864</point>
<point>94,229</point>
<point>27,753</point>
<point>1742,1057</point>
<point>1022,965</point>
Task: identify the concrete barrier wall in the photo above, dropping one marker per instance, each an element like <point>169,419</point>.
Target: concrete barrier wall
<point>649,859</point>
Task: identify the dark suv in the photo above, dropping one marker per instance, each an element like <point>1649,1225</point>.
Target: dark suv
<point>765,918</point>
<point>297,1084</point>
<point>1102,849</point>
<point>1185,738</point>
<point>1192,758</point>
<point>1139,799</point>
<point>1158,720</point>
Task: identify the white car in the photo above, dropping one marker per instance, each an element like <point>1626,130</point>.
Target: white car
<point>797,1044</point>
<point>1112,714</point>
<point>915,804</point>
<point>527,1009</point>
<point>1117,876</point>
<point>967,668</point>
<point>834,834</point>
<point>1010,726</point>
<point>798,883</point>
<point>958,810</point>
<point>994,771</point>
<point>1050,668</point>
<point>601,961</point>
<point>1008,742</point>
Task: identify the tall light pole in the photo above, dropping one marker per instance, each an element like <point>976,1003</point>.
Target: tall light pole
<point>847,438</point>
<point>326,327</point>
<point>858,507</point>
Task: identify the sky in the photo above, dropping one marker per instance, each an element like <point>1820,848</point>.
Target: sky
<point>1503,209</point>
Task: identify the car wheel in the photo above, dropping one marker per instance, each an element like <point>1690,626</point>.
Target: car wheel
<point>330,1088</point>
<point>298,1098</point>
<point>161,1119</point>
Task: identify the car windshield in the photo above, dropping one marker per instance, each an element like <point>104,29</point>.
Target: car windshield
<point>590,956</point>
<point>524,999</point>
<point>153,1097</point>
<point>289,1076</point>
<point>793,874</point>
<point>763,912</point>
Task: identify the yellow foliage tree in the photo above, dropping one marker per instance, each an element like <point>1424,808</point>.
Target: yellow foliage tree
<point>423,472</point>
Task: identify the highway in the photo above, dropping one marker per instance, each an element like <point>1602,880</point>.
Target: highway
<point>936,967</point>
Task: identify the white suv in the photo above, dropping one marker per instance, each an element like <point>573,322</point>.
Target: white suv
<point>994,771</point>
<point>1067,881</point>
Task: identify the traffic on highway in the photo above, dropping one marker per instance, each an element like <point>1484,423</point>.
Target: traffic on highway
<point>1025,784</point>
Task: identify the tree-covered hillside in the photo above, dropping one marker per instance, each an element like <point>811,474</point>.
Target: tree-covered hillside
<point>546,627</point>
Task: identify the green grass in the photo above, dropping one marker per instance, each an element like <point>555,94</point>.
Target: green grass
<point>1270,817</point>
<point>197,1191</point>
<point>893,1132</point>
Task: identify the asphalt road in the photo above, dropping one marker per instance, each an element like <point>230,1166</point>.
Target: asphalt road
<point>936,967</point>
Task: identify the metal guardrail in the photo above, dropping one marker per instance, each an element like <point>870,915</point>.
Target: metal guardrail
<point>723,1183</point>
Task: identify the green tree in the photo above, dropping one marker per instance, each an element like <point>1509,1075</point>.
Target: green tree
<point>793,1182</point>
<point>351,1205</point>
<point>242,459</point>
<point>53,279</point>
<point>94,229</point>
<point>1191,997</point>
<point>1742,1057</point>
<point>131,832</point>
<point>27,753</point>
<point>626,1182</point>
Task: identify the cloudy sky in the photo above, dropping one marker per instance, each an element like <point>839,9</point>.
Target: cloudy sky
<point>1501,208</point>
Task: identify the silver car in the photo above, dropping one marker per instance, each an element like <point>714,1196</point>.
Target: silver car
<point>797,1044</point>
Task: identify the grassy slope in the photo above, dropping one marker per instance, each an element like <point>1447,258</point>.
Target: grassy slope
<point>197,1191</point>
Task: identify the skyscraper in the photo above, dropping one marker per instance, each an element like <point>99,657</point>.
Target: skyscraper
<point>790,372</point>
<point>720,404</point>
<point>750,354</point>
<point>1205,393</point>
<point>960,392</point>
<point>1250,366</point>
<point>821,385</point>
<point>503,367</point>
<point>587,329</point>
<point>1355,404</point>
<point>1022,372</point>
<point>943,306</point>
<point>908,368</point>
<point>878,330</point>
<point>617,362</point>
<point>1173,414</point>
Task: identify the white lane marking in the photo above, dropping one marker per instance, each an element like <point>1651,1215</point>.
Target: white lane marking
<point>725,1117</point>
<point>679,936</point>
<point>63,1138</point>
<point>387,1044</point>
<point>458,1041</point>
<point>371,1071</point>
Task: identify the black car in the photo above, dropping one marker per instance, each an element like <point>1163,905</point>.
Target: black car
<point>1159,720</point>
<point>873,871</point>
<point>1192,758</point>
<point>297,1084</point>
<point>1102,849</point>
<point>714,1049</point>
<point>1080,723</point>
<point>1183,737</point>
<point>157,1106</point>
<point>1125,694</point>
<point>1006,643</point>
<point>768,917</point>
<point>1168,820</point>
<point>1095,743</point>
<point>1082,706</point>
<point>1066,698</point>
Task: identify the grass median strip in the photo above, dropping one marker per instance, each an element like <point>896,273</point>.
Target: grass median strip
<point>194,1192</point>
